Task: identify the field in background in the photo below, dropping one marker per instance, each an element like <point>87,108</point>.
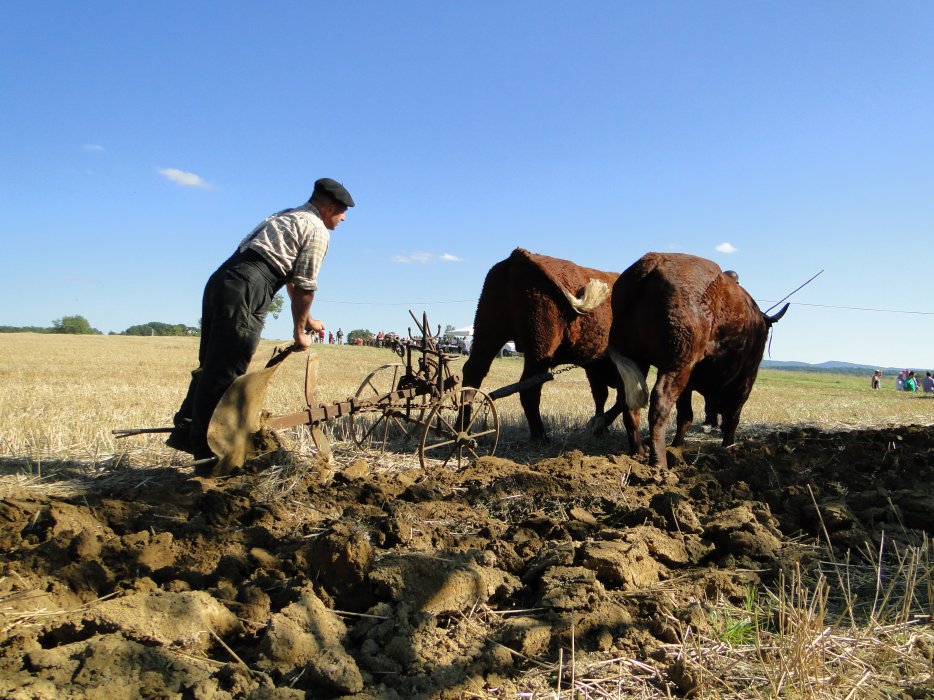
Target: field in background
<point>61,395</point>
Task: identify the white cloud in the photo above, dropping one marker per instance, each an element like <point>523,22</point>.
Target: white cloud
<point>425,258</point>
<point>726,248</point>
<point>421,258</point>
<point>95,147</point>
<point>180,177</point>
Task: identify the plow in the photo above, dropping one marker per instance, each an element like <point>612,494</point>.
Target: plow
<point>418,400</point>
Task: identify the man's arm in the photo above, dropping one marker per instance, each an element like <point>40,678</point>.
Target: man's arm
<point>301,314</point>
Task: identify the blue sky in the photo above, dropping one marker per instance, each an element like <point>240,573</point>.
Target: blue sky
<point>142,141</point>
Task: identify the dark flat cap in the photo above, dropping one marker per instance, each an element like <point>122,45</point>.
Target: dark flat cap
<point>335,190</point>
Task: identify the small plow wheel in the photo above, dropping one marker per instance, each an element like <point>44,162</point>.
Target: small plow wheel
<point>461,427</point>
<point>387,422</point>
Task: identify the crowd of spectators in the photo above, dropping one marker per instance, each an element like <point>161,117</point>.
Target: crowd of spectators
<point>907,380</point>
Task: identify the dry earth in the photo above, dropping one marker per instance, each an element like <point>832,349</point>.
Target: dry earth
<point>397,584</point>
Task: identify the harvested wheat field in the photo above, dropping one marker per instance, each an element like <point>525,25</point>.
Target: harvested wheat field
<point>796,564</point>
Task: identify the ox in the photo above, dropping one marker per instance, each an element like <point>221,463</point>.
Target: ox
<point>699,328</point>
<point>557,313</point>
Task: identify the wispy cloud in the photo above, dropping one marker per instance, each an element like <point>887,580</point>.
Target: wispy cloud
<point>94,147</point>
<point>180,177</point>
<point>424,258</point>
<point>726,248</point>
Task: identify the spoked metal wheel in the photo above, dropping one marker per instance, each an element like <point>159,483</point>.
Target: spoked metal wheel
<point>388,422</point>
<point>461,427</point>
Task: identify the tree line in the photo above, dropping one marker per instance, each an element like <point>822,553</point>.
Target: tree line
<point>79,325</point>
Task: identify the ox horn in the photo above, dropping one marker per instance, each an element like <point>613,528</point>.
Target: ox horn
<point>775,319</point>
<point>595,293</point>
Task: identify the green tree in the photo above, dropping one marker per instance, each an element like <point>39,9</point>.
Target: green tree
<point>359,333</point>
<point>276,305</point>
<point>24,329</point>
<point>157,328</point>
<point>74,325</point>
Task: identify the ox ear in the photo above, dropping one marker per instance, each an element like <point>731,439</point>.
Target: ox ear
<point>775,319</point>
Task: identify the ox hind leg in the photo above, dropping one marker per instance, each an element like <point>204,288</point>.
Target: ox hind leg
<point>600,392</point>
<point>630,396</point>
<point>731,405</point>
<point>710,411</point>
<point>684,418</point>
<point>631,419</point>
<point>667,390</point>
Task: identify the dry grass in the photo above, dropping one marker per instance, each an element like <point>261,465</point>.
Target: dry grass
<point>60,396</point>
<point>795,640</point>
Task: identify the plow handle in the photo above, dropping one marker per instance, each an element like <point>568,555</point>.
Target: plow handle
<point>138,431</point>
<point>279,355</point>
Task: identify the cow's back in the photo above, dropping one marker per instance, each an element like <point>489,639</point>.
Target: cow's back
<point>521,301</point>
<point>663,307</point>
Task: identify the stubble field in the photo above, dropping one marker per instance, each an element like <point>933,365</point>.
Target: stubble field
<point>795,564</point>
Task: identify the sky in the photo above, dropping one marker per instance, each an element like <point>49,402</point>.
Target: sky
<point>141,141</point>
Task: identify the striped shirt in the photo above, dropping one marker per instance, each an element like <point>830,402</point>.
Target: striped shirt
<point>294,242</point>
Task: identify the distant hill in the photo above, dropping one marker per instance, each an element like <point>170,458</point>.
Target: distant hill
<point>830,366</point>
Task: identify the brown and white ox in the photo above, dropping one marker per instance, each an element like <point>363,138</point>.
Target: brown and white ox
<point>699,328</point>
<point>557,313</point>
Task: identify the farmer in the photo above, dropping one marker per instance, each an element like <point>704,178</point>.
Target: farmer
<point>287,248</point>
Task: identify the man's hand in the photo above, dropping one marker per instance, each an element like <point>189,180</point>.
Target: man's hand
<point>313,325</point>
<point>302,340</point>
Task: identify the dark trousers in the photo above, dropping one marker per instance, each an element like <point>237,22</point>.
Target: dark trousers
<point>233,310</point>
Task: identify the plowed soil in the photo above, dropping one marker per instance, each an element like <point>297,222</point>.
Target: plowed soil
<point>352,581</point>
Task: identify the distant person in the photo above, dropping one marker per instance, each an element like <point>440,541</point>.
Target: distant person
<point>285,249</point>
<point>928,383</point>
<point>877,379</point>
<point>340,336</point>
<point>900,380</point>
<point>911,384</point>
<point>330,338</point>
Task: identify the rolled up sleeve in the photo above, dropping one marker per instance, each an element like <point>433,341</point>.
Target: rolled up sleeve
<point>309,259</point>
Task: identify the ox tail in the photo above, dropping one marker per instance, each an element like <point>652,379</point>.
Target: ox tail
<point>595,293</point>
<point>634,386</point>
<point>769,320</point>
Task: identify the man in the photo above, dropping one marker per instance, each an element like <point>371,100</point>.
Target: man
<point>287,248</point>
<point>928,383</point>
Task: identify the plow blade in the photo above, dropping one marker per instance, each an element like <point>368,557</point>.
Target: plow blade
<point>235,431</point>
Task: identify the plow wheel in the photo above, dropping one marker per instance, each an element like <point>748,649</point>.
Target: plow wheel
<point>461,427</point>
<point>386,423</point>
